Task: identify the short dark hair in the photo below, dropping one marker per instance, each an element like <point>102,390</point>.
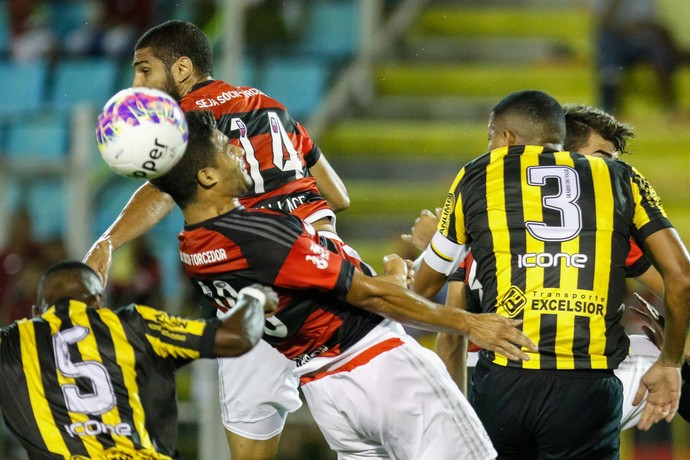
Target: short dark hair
<point>542,114</point>
<point>69,269</point>
<point>171,40</point>
<point>181,181</point>
<point>581,120</point>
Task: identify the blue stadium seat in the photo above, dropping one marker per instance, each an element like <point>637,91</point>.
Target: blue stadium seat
<point>332,29</point>
<point>83,80</point>
<point>297,83</point>
<point>67,16</point>
<point>23,87</point>
<point>38,139</point>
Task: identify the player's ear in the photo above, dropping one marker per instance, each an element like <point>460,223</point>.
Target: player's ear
<point>508,138</point>
<point>207,177</point>
<point>182,69</point>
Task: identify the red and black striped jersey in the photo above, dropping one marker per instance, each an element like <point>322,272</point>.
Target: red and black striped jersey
<point>278,149</point>
<point>246,246</point>
<point>550,233</point>
<point>79,382</point>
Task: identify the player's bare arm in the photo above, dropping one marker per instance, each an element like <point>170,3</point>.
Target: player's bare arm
<point>452,348</point>
<point>663,381</point>
<point>145,209</point>
<point>490,331</point>
<point>330,185</point>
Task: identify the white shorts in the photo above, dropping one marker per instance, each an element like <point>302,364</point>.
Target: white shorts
<point>643,353</point>
<point>260,388</point>
<point>395,400</point>
<point>257,391</point>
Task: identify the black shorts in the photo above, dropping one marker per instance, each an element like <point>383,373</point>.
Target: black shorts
<point>549,414</point>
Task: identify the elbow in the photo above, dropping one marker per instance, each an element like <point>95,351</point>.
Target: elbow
<point>342,204</point>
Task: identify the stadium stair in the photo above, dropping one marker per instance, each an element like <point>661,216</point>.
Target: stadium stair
<point>400,153</point>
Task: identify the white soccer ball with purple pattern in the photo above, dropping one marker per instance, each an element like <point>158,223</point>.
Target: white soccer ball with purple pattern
<point>141,133</point>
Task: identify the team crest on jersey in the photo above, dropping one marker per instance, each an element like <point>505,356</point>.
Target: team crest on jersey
<point>513,302</point>
<point>448,208</point>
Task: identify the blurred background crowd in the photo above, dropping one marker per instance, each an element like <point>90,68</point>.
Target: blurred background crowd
<point>396,93</point>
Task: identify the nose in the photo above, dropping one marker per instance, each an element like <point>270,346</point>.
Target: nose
<point>136,82</point>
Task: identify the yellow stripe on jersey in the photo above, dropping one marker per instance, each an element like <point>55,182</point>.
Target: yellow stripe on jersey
<point>175,329</point>
<point>126,360</point>
<point>533,211</point>
<point>39,404</point>
<point>602,267</point>
<point>449,217</point>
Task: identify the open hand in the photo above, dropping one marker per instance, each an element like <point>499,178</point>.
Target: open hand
<point>501,335</point>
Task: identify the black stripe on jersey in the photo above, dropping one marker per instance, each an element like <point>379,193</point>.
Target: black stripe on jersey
<point>262,225</point>
<point>581,339</point>
<point>49,379</point>
<point>256,122</point>
<point>512,173</point>
<point>588,242</point>
<point>547,341</point>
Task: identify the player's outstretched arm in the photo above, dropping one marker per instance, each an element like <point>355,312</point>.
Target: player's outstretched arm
<point>388,299</point>
<point>242,327</point>
<point>330,185</point>
<point>452,348</point>
<point>662,381</point>
<point>145,209</point>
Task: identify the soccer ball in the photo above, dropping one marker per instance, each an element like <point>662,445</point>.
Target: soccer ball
<point>141,133</point>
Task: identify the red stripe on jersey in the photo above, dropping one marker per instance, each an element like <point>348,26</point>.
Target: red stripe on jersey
<point>360,360</point>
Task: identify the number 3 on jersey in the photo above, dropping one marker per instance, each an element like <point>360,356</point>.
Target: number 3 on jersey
<point>280,145</point>
<point>565,202</point>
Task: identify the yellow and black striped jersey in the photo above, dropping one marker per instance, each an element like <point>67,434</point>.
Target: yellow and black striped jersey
<point>550,233</point>
<point>79,382</point>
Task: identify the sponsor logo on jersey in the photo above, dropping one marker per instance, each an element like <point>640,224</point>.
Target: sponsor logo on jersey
<point>546,260</point>
<point>203,258</point>
<point>584,303</point>
<point>226,96</point>
<point>448,208</point>
<point>96,427</point>
<point>512,302</point>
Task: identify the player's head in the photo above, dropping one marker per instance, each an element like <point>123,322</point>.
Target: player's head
<point>210,164</point>
<point>527,118</point>
<point>172,57</point>
<point>69,280</point>
<point>592,131</point>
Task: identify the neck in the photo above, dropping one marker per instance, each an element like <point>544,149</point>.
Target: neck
<point>558,147</point>
<point>186,86</point>
<point>201,211</point>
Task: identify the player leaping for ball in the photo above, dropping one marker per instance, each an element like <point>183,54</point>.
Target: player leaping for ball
<point>286,168</point>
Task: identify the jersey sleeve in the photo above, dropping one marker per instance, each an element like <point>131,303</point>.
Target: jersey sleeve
<point>179,339</point>
<point>636,263</point>
<point>649,215</point>
<point>312,152</point>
